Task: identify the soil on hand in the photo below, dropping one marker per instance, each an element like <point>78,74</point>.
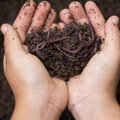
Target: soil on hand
<point>65,53</point>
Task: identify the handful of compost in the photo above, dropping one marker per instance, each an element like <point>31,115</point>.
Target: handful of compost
<point>65,53</point>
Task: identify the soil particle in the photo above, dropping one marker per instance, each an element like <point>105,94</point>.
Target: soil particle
<point>92,10</point>
<point>76,6</point>
<point>44,3</point>
<point>27,4</point>
<point>20,17</point>
<point>65,13</point>
<point>98,24</point>
<point>25,13</point>
<point>75,3</point>
<point>15,28</point>
<point>25,26</point>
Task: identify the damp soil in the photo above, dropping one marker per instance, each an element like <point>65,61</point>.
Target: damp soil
<point>9,11</point>
<point>65,53</point>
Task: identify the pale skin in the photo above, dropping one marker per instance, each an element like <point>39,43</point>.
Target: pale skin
<point>91,94</point>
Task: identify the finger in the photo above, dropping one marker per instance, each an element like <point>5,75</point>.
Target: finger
<point>40,16</point>
<point>96,18</point>
<point>78,12</point>
<point>4,62</point>
<point>54,25</point>
<point>26,48</point>
<point>61,25</point>
<point>12,43</point>
<point>50,20</point>
<point>112,40</point>
<point>23,19</point>
<point>66,16</point>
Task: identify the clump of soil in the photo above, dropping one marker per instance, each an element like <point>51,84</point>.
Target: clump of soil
<point>65,53</point>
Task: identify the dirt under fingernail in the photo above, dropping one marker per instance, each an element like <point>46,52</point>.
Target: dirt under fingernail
<point>65,53</point>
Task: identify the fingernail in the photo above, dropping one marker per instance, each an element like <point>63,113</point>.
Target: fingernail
<point>4,29</point>
<point>115,20</point>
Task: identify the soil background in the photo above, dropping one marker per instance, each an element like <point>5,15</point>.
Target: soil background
<point>8,11</point>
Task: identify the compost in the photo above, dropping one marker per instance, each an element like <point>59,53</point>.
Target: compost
<point>65,53</point>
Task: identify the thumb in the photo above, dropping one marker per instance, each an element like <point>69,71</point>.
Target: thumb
<point>112,40</point>
<point>12,43</point>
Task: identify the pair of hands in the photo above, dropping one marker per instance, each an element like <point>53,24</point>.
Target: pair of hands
<point>35,91</point>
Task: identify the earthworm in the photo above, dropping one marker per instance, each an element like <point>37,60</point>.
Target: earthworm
<point>87,53</point>
<point>68,45</point>
<point>59,39</point>
<point>80,36</point>
<point>88,43</point>
<point>74,51</point>
<point>48,34</point>
<point>79,48</point>
<point>42,44</point>
<point>62,51</point>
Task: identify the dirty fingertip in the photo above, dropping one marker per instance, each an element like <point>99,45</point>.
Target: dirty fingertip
<point>50,20</point>
<point>115,20</point>
<point>45,4</point>
<point>112,24</point>
<point>61,25</point>
<point>66,16</point>
<point>25,48</point>
<point>4,28</point>
<point>54,25</point>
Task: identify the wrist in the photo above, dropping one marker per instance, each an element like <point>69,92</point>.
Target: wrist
<point>32,108</point>
<point>91,107</point>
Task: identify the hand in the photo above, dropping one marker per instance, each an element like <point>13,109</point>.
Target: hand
<point>37,95</point>
<point>92,93</point>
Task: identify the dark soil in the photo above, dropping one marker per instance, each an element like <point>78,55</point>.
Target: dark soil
<point>8,12</point>
<point>65,53</point>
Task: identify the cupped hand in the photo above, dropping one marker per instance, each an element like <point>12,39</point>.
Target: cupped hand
<point>90,91</point>
<point>31,83</point>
